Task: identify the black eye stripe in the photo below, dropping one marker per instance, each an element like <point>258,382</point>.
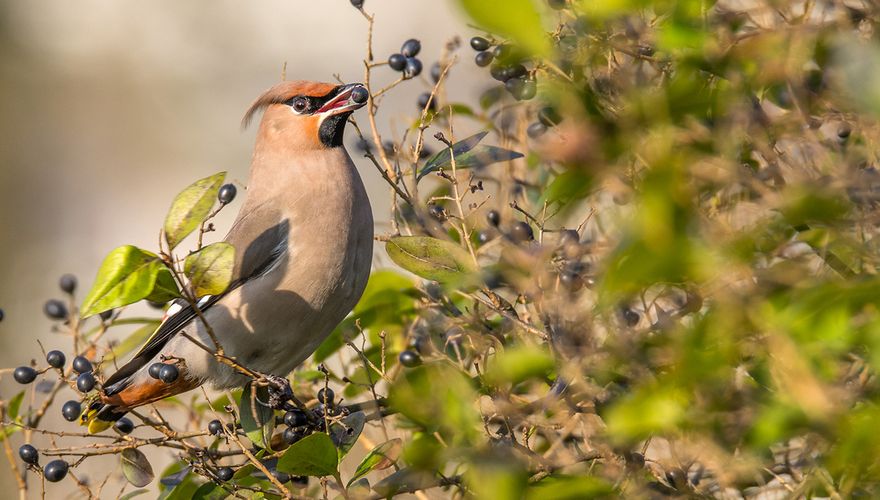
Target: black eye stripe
<point>303,104</point>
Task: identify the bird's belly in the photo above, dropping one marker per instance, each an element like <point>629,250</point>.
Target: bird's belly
<point>275,322</point>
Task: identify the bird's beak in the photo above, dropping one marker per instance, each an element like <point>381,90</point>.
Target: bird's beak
<point>348,98</point>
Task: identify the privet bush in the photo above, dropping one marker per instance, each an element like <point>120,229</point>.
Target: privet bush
<point>651,272</point>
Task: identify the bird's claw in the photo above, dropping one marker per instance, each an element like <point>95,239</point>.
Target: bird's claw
<point>279,391</point>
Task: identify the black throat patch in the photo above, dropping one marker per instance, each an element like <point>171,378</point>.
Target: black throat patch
<point>332,128</point>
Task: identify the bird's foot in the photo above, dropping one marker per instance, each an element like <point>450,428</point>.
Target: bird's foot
<point>279,392</point>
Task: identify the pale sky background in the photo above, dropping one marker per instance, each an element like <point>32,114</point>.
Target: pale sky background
<point>108,109</point>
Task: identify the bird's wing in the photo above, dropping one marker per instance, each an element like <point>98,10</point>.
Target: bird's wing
<point>258,249</point>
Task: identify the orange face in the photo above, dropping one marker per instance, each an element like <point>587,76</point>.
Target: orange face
<point>306,115</point>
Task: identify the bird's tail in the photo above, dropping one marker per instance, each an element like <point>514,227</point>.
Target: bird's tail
<point>99,416</point>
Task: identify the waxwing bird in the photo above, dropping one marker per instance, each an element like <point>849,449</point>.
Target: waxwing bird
<point>303,242</point>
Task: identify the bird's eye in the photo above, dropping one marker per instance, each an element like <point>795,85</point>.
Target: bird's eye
<point>300,104</point>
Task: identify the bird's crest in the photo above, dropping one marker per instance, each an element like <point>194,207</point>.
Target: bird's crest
<point>283,92</point>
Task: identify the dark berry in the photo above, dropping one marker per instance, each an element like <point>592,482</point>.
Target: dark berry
<point>363,145</point>
<point>359,95</point>
<point>85,382</point>
<point>411,47</point>
<point>397,62</point>
<point>844,130</point>
<point>71,410</point>
<point>409,358</point>
<point>282,477</point>
<point>479,43</point>
<point>528,91</point>
<point>434,291</point>
<point>556,4</point>
<point>521,89</point>
<point>521,232</point>
<point>300,481</point>
<point>425,100</point>
<point>357,3</point>
<point>536,130</point>
<point>548,116</point>
<point>569,236</point>
<point>1,314</point>
<point>124,425</point>
<point>55,471</point>
<point>493,217</point>
<point>28,454</point>
<point>227,193</point>
<point>106,315</point>
<point>295,418</point>
<point>516,71</point>
<point>56,359</point>
<point>156,305</point>
<point>389,148</point>
<point>498,72</point>
<point>326,396</point>
<point>168,373</point>
<point>630,317</point>
<point>425,152</point>
<point>502,51</point>
<point>24,374</point>
<point>215,427</point>
<point>436,71</point>
<point>437,212</point>
<point>67,283</point>
<point>81,364</point>
<point>225,473</point>
<point>291,435</point>
<point>483,59</point>
<point>44,386</point>
<point>571,281</point>
<point>154,369</point>
<point>413,68</point>
<point>55,309</point>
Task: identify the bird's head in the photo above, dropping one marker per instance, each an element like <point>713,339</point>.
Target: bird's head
<point>306,115</point>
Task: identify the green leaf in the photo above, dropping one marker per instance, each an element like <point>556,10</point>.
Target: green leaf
<point>15,405</point>
<point>134,340</point>
<point>468,154</point>
<point>210,269</point>
<point>190,208</point>
<point>570,488</point>
<point>405,481</point>
<point>518,364</point>
<point>132,494</point>
<point>127,275</point>
<point>184,490</point>
<point>518,20</point>
<point>136,468</point>
<point>380,457</point>
<point>346,432</point>
<point>165,288</point>
<point>210,491</point>
<point>313,455</point>
<point>431,258</point>
<point>257,420</point>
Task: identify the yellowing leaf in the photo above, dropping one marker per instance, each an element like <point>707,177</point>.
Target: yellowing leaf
<point>210,269</point>
<point>431,258</point>
<point>190,208</point>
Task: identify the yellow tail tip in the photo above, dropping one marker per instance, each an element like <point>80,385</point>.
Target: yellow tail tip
<point>96,426</point>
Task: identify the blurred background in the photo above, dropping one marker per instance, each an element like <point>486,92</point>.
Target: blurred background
<point>108,109</point>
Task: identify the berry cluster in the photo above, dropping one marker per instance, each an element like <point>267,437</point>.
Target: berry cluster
<point>507,66</point>
<point>406,61</point>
